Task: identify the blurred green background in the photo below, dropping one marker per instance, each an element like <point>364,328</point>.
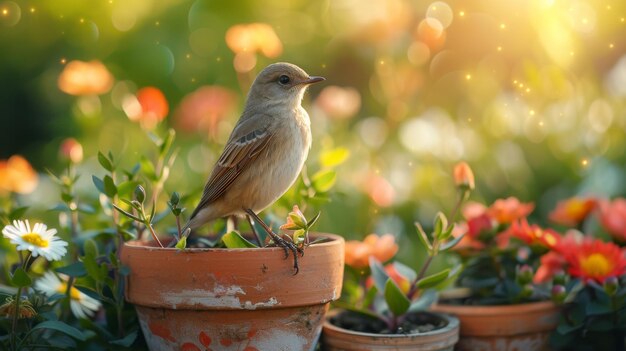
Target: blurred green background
<point>532,94</point>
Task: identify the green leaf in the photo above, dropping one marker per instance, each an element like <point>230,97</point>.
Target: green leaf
<point>313,220</point>
<point>127,214</point>
<point>91,248</point>
<point>175,199</point>
<point>125,188</point>
<point>405,270</point>
<point>88,209</point>
<point>76,269</point>
<point>369,297</point>
<point>17,213</point>
<point>60,207</point>
<point>147,168</point>
<point>98,183</point>
<point>452,243</point>
<point>182,243</point>
<point>441,222</point>
<point>323,181</point>
<point>378,273</point>
<point>398,303</point>
<point>299,236</point>
<point>20,278</point>
<point>334,157</point>
<point>234,240</point>
<point>433,280</point>
<point>421,234</point>
<point>110,189</point>
<point>61,327</point>
<point>126,341</point>
<point>428,297</point>
<point>167,142</point>
<point>105,162</point>
<point>446,234</point>
<point>93,268</point>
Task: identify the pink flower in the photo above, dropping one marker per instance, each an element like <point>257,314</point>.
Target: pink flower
<point>613,217</point>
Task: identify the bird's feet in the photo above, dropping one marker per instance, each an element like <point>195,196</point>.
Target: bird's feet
<point>287,245</point>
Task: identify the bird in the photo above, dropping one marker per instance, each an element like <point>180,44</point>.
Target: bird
<point>264,154</point>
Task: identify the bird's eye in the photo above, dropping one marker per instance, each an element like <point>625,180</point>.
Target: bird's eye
<point>284,80</point>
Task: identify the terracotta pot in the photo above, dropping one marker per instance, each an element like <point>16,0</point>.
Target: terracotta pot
<point>339,339</point>
<point>232,299</point>
<point>522,327</point>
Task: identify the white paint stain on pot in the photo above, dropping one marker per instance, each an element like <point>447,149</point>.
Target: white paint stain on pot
<point>279,340</point>
<point>248,305</point>
<point>220,296</point>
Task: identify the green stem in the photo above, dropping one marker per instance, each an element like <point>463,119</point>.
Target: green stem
<point>16,313</point>
<point>423,270</point>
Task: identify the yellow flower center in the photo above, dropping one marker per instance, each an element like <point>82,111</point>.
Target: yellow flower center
<point>74,293</point>
<point>35,239</point>
<point>596,265</point>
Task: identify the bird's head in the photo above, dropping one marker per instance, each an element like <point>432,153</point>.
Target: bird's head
<point>283,83</point>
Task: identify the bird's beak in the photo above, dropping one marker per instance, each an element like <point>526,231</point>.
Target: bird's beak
<point>312,80</point>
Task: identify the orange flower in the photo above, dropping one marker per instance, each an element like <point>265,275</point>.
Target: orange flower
<point>357,253</point>
<point>338,102</point>
<point>507,210</point>
<point>253,37</point>
<point>534,235</point>
<point>17,175</point>
<point>85,78</point>
<point>463,176</point>
<point>148,107</point>
<point>71,150</point>
<point>613,218</point>
<point>295,219</point>
<point>403,282</point>
<point>572,211</point>
<point>596,260</point>
<point>203,109</point>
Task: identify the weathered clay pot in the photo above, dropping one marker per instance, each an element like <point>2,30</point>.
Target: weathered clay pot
<point>521,327</point>
<point>339,339</point>
<point>232,299</point>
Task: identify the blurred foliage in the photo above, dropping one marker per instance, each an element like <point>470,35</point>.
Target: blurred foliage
<point>530,93</point>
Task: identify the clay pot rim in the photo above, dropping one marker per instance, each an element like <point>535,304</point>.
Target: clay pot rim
<point>497,310</point>
<point>453,323</point>
<point>150,245</point>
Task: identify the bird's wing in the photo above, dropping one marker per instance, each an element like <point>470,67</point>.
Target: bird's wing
<point>243,147</point>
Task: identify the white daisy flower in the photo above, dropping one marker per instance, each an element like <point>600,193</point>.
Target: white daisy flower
<point>39,240</point>
<point>81,304</point>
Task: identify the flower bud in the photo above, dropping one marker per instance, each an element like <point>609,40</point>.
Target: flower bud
<point>611,284</point>
<point>463,176</point>
<point>71,150</point>
<point>527,291</point>
<point>140,194</point>
<point>558,293</point>
<point>559,278</point>
<point>524,274</point>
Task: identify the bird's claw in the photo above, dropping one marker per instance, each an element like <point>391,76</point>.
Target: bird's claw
<point>289,246</point>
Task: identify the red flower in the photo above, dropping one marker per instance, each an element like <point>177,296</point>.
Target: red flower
<point>595,260</point>
<point>572,211</point>
<point>551,263</point>
<point>534,235</point>
<point>508,210</point>
<point>204,109</point>
<point>613,218</point>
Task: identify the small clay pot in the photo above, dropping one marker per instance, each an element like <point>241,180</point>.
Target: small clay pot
<point>232,299</point>
<point>520,327</point>
<point>335,338</point>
